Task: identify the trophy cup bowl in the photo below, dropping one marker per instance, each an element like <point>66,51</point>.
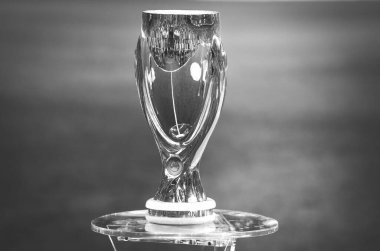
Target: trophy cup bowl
<point>181,79</point>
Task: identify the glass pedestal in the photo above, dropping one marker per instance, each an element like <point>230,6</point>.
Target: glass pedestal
<point>226,228</point>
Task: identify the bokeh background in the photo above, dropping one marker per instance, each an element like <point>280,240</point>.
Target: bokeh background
<point>298,139</point>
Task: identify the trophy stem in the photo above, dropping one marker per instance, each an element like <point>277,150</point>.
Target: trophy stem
<point>180,198</point>
<point>186,187</point>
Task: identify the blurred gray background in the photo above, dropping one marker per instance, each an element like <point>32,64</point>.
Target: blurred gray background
<point>298,139</point>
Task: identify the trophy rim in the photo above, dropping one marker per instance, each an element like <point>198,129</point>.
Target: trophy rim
<point>181,12</point>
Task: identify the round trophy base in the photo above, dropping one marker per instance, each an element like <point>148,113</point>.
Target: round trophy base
<point>223,231</point>
<point>180,213</point>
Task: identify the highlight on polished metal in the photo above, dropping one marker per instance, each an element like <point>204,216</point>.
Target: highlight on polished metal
<point>181,79</point>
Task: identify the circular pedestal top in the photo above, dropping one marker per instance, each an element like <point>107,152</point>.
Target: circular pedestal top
<point>226,225</point>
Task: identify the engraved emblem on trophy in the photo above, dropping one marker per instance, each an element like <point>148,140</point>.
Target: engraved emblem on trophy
<point>181,79</point>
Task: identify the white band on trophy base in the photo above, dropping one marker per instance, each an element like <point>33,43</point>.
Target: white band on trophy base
<point>180,229</point>
<point>179,221</point>
<point>180,206</point>
<point>180,213</point>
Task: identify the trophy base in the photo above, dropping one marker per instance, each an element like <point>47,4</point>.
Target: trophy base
<point>180,213</point>
<point>227,227</point>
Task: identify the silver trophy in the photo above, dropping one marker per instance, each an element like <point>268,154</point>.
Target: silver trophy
<point>181,79</point>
